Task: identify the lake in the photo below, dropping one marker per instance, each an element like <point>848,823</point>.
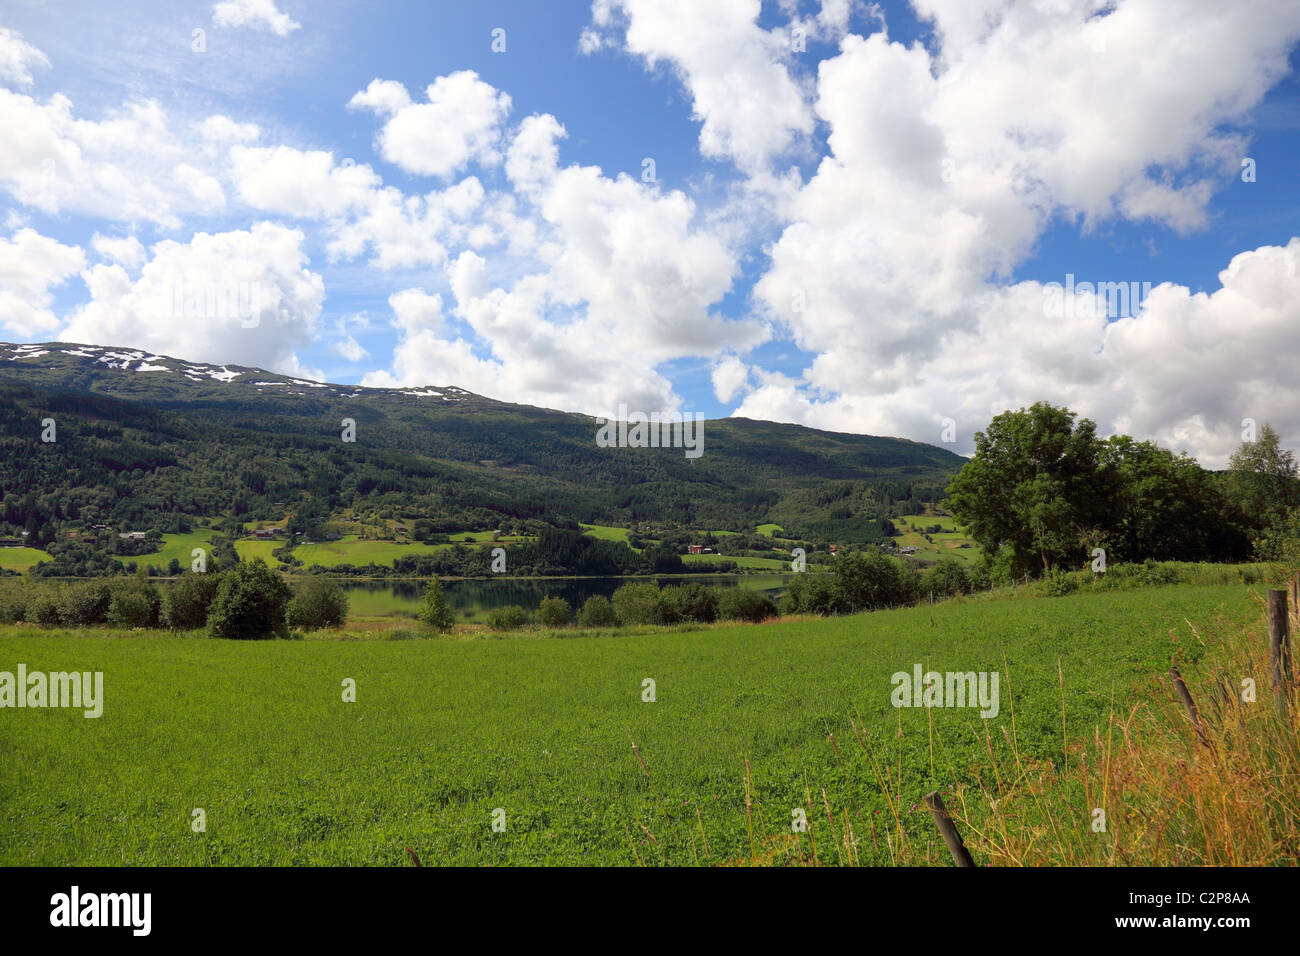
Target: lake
<point>471,599</point>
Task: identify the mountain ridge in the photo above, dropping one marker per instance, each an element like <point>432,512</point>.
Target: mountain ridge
<point>154,441</point>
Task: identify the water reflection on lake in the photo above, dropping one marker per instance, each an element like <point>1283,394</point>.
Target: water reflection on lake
<point>472,598</point>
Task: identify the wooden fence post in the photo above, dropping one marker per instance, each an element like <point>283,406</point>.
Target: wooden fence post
<point>1279,646</point>
<point>947,829</point>
<point>1190,705</point>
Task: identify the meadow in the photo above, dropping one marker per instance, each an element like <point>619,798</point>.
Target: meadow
<point>749,723</point>
<point>20,559</point>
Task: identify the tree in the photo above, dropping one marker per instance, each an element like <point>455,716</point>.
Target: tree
<point>637,603</point>
<point>317,603</point>
<point>1033,485</point>
<point>553,612</point>
<point>250,603</point>
<point>436,612</point>
<point>597,612</point>
<point>743,604</point>
<point>867,581</point>
<point>135,603</point>
<point>187,600</point>
<point>1262,476</point>
<point>1164,507</point>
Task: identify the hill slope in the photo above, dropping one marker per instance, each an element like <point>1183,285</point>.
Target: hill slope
<point>152,441</point>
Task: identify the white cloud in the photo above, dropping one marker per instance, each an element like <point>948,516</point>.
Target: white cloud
<point>243,297</point>
<point>750,108</point>
<point>260,14</point>
<point>350,349</point>
<point>730,377</point>
<point>17,57</point>
<point>30,265</point>
<point>941,178</point>
<point>126,251</point>
<point>460,123</point>
<point>221,130</point>
<point>1184,371</point>
<point>128,167</point>
<point>620,279</point>
<point>304,184</point>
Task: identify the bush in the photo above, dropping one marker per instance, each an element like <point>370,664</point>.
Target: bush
<point>553,612</point>
<point>637,603</point>
<point>688,602</point>
<point>187,601</point>
<point>811,594</point>
<point>85,604</point>
<point>1058,583</point>
<point>597,612</point>
<point>436,612</point>
<point>742,604</point>
<point>43,611</point>
<point>317,603</point>
<point>137,604</point>
<point>250,603</point>
<point>507,618</point>
<point>13,609</point>
<point>867,581</point>
<point>945,578</point>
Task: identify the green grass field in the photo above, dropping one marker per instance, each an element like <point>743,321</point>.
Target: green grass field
<point>743,561</point>
<point>20,559</point>
<point>605,532</point>
<point>445,731</point>
<point>770,530</point>
<point>178,546</point>
<point>352,550</point>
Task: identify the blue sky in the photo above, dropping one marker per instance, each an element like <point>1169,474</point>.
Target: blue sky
<point>855,210</point>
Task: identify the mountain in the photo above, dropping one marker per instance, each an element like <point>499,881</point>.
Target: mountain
<point>149,440</point>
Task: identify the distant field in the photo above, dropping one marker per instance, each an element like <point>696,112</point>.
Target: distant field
<point>769,529</point>
<point>178,546</point>
<point>767,564</point>
<point>443,732</point>
<point>250,549</point>
<point>605,532</point>
<point>352,550</point>
<point>20,559</point>
<point>946,542</point>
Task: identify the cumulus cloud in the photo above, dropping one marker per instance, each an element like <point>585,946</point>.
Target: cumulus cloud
<point>306,184</point>
<point>243,297</point>
<point>939,179</point>
<point>17,57</point>
<point>730,377</point>
<point>460,123</point>
<point>621,278</point>
<point>349,348</point>
<point>259,14</point>
<point>749,106</point>
<point>128,167</point>
<point>1184,370</point>
<point>221,130</point>
<point>126,251</point>
<point>30,265</point>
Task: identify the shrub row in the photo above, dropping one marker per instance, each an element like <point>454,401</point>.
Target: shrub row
<point>250,601</point>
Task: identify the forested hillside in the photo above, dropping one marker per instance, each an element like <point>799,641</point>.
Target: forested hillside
<point>151,443</point>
